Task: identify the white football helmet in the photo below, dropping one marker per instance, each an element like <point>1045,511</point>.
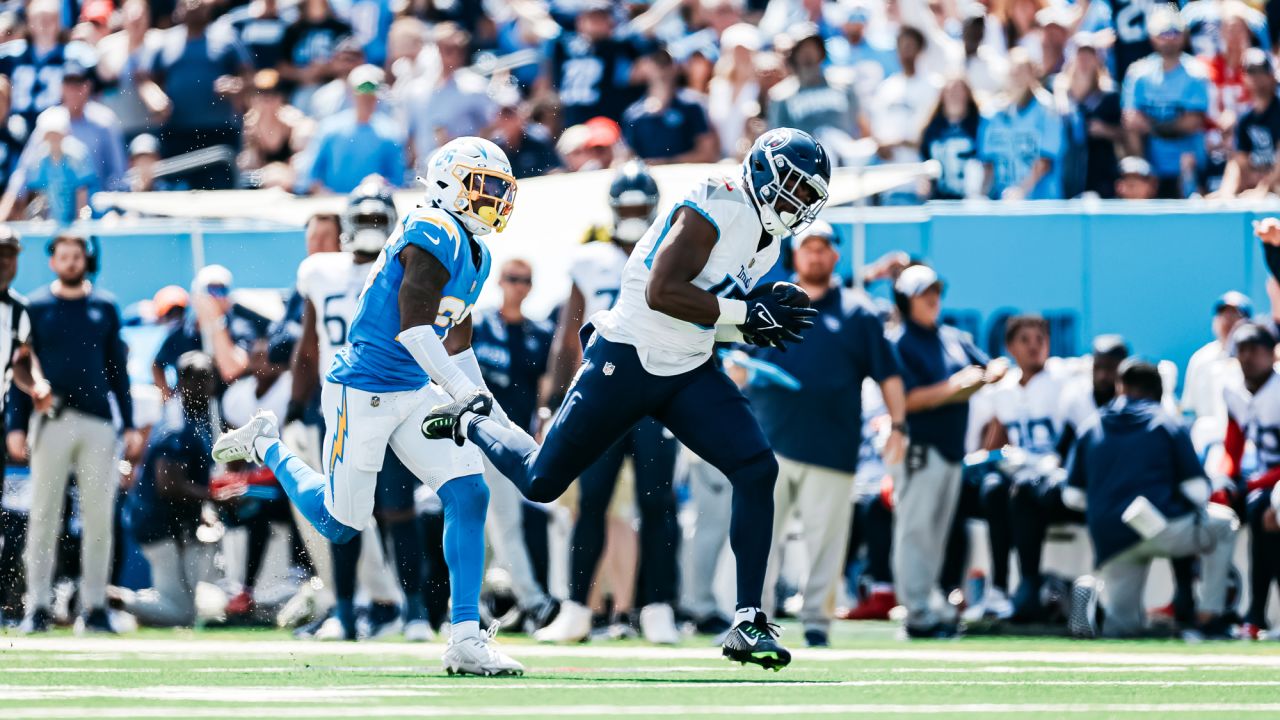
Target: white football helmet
<point>470,178</point>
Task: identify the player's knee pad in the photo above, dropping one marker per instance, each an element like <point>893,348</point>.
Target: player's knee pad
<point>757,474</point>
<point>467,495</point>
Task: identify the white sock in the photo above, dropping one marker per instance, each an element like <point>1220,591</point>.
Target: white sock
<point>262,443</point>
<point>747,614</point>
<point>464,630</point>
<point>882,587</point>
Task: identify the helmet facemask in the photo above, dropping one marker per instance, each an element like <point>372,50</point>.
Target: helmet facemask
<point>488,196</point>
<point>366,228</point>
<point>633,212</point>
<point>791,200</point>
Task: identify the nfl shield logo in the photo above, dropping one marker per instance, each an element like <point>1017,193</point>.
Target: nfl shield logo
<point>608,368</point>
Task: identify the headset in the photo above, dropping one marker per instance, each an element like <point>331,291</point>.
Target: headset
<point>92,250</point>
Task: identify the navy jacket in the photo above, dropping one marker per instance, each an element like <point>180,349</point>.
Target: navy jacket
<point>1132,448</point>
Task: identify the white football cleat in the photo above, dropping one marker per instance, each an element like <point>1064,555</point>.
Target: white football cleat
<point>658,624</point>
<point>238,444</point>
<point>480,656</point>
<point>418,631</point>
<point>995,605</point>
<point>331,630</point>
<point>573,624</point>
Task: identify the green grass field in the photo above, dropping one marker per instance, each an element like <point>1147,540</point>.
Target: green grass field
<point>265,674</point>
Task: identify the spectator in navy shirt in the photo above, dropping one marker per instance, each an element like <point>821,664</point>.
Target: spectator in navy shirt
<point>1253,170</point>
<point>591,69</point>
<point>78,381</point>
<point>527,146</point>
<point>668,125</point>
<point>188,81</point>
<point>941,370</point>
<point>166,502</point>
<point>815,430</point>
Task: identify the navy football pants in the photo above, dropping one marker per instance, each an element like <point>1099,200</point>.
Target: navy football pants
<point>613,392</point>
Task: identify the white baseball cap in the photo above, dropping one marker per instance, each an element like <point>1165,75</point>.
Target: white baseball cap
<point>916,279</point>
<point>817,229</point>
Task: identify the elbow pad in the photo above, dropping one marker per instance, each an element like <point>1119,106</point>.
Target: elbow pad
<point>427,349</point>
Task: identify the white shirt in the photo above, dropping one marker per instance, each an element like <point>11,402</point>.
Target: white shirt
<point>729,112</point>
<point>1209,371</point>
<point>1033,415</point>
<point>1258,415</point>
<point>332,283</point>
<point>667,346</point>
<point>596,270</point>
<point>900,111</point>
<point>241,400</point>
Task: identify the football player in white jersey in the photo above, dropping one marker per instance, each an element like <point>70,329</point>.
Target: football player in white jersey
<point>692,279</point>
<point>330,285</point>
<point>597,281</point>
<point>1253,417</point>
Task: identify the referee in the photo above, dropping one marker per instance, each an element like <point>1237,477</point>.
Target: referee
<point>15,327</point>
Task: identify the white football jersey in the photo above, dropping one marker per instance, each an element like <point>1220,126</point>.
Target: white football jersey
<point>667,346</point>
<point>1258,415</point>
<point>332,282</point>
<point>597,272</point>
<point>1033,415</point>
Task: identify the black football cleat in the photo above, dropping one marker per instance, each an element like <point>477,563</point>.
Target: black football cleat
<point>756,642</point>
<point>445,421</point>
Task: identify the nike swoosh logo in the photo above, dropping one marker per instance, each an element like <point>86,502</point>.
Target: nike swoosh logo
<point>750,640</point>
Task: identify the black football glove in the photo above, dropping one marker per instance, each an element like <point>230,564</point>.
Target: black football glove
<point>776,315</point>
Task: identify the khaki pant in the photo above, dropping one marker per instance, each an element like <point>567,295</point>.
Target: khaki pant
<point>1124,577</point>
<point>821,496</point>
<point>176,569</point>
<point>86,445</point>
<point>925,495</point>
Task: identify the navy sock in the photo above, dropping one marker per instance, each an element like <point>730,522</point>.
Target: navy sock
<point>465,501</point>
<point>407,540</point>
<point>346,558</point>
<point>751,527</point>
<point>511,450</point>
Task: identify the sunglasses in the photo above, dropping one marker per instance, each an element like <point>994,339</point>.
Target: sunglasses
<point>218,291</point>
<point>517,279</point>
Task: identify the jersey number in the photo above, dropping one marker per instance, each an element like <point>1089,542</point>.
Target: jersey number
<point>334,323</point>
<point>25,96</point>
<point>452,311</point>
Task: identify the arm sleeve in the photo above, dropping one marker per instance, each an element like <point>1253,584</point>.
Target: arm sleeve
<point>118,367</point>
<point>428,350</point>
<point>470,366</point>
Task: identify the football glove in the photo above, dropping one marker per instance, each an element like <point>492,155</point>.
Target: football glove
<point>776,315</point>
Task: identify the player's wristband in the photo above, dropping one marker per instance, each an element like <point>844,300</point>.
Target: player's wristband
<point>732,312</point>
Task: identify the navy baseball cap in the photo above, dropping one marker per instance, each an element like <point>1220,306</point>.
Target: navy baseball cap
<point>1234,299</point>
<point>1251,333</point>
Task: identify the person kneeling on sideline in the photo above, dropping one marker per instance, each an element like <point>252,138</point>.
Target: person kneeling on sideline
<point>1136,476</point>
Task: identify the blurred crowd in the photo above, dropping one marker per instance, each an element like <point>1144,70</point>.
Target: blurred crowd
<point>1015,99</point>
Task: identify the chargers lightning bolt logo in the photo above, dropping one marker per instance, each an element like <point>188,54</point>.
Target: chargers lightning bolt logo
<point>339,444</point>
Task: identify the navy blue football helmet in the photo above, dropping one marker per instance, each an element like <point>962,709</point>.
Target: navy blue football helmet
<point>787,172</point>
<point>633,197</point>
<point>370,216</point>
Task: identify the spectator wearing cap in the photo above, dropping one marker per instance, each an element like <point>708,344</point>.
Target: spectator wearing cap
<point>1086,95</point>
<point>527,146</point>
<point>592,68</point>
<point>453,103</point>
<point>188,80</point>
<point>589,146</point>
<point>1253,170</point>
<point>1212,367</point>
<point>231,328</point>
<point>1165,98</point>
<point>1056,23</point>
<point>144,155</point>
<point>814,100</point>
<point>668,125</point>
<point>55,166</point>
<point>1253,417</point>
<point>1136,476</point>
<point>165,503</point>
<point>94,125</point>
<point>871,58</point>
<point>902,103</point>
<point>1136,180</point>
<point>74,368</point>
<point>308,46</point>
<point>261,27</point>
<point>273,129</point>
<point>733,95</point>
<point>1022,143</point>
<point>941,369</point>
<point>356,143</point>
<point>815,430</point>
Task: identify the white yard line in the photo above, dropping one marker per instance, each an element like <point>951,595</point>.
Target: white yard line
<point>204,649</point>
<point>323,711</point>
